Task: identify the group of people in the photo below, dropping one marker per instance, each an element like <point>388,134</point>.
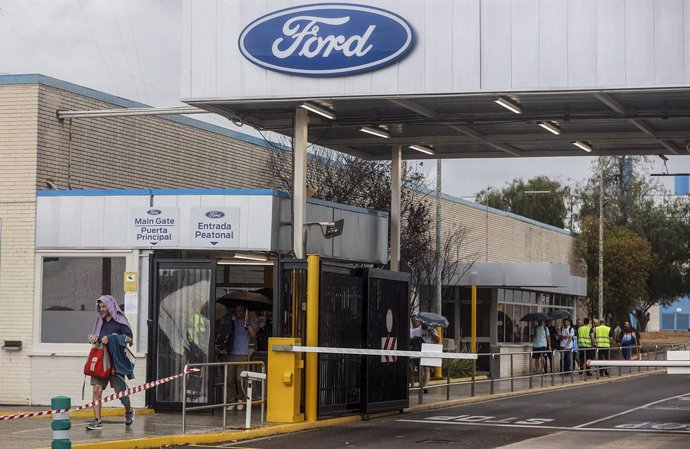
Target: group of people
<point>578,343</point>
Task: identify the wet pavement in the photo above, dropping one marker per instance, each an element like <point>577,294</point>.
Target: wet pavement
<point>34,433</point>
<point>31,433</point>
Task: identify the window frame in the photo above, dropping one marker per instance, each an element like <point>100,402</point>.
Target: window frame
<point>71,349</point>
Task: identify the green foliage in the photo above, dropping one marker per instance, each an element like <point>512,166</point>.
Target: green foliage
<point>520,198</point>
<point>663,223</point>
<point>457,368</point>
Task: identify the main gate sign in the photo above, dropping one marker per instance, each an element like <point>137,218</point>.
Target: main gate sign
<point>326,40</point>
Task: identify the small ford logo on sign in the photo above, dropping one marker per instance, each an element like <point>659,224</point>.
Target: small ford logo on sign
<point>153,212</point>
<point>215,214</point>
<point>326,39</point>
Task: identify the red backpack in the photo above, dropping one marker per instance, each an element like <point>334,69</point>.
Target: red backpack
<point>98,363</point>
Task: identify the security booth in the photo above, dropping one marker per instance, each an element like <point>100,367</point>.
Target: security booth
<point>169,255</point>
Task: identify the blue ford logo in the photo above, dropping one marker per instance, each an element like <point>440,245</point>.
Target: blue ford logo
<point>153,212</point>
<point>215,214</point>
<point>326,39</point>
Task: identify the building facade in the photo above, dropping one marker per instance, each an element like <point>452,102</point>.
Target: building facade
<point>38,153</point>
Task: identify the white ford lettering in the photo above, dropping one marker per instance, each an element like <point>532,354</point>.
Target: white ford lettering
<point>304,32</point>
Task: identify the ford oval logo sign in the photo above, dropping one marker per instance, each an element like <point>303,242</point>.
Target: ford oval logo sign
<point>153,212</point>
<point>215,214</point>
<point>329,39</point>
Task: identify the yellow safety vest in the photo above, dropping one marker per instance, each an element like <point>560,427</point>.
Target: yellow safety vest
<point>602,333</point>
<point>583,340</point>
<point>195,328</point>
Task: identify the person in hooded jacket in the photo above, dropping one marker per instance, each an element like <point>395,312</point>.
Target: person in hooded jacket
<point>112,329</point>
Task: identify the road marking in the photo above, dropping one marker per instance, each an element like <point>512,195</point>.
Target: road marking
<point>546,427</point>
<point>606,418</point>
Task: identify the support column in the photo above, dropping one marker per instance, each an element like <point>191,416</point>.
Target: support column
<point>299,182</point>
<point>396,167</point>
<point>436,308</point>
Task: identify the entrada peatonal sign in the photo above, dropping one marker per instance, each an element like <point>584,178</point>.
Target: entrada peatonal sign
<point>328,39</point>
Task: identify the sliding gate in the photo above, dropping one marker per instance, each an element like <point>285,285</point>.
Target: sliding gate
<point>358,308</point>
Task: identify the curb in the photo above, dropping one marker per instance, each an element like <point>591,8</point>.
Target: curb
<point>281,429</point>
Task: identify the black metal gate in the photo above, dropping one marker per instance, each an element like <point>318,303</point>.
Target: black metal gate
<point>354,306</point>
<point>341,318</point>
<point>387,327</point>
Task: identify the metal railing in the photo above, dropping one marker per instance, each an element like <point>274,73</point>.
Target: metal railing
<point>520,371</point>
<point>224,404</point>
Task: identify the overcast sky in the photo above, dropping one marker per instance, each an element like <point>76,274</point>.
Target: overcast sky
<point>131,48</point>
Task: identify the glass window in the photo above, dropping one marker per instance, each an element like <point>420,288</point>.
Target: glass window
<point>71,286</point>
<point>508,296</point>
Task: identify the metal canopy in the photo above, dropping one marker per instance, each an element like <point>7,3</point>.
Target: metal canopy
<point>616,122</point>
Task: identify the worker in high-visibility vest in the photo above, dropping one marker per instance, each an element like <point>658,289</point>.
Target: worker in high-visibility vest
<point>603,342</point>
<point>584,344</point>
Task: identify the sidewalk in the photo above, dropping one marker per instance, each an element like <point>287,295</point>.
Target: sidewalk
<point>154,430</point>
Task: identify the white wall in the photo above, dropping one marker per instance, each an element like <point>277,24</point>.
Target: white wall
<point>462,46</point>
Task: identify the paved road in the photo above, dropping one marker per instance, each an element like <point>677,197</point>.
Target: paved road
<point>646,412</point>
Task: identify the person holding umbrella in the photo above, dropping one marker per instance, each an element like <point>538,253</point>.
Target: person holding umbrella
<point>242,332</point>
<point>420,333</point>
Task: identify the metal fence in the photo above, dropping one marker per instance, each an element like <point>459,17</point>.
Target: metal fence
<point>205,374</point>
<point>509,372</point>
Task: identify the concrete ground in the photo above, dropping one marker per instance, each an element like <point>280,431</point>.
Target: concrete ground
<point>155,430</point>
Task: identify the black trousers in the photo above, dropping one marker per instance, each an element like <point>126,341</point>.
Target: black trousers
<point>604,354</point>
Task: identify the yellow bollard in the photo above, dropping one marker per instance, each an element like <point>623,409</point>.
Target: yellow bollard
<point>312,370</point>
<point>284,382</point>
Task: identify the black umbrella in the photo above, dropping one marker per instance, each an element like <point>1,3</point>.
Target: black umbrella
<point>432,319</point>
<point>251,300</point>
<point>559,314</point>
<point>535,316</point>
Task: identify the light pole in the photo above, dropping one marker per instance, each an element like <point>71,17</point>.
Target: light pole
<point>600,310</point>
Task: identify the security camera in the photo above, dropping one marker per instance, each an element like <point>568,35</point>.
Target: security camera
<point>663,157</point>
<point>252,375</point>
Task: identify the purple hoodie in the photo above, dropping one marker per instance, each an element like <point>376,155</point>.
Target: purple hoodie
<point>114,311</point>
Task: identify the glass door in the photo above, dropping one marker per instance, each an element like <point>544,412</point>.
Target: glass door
<point>184,295</point>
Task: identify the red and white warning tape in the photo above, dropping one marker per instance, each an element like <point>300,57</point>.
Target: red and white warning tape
<point>112,397</point>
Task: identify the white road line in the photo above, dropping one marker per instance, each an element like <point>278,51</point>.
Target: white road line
<point>545,427</point>
<point>606,418</point>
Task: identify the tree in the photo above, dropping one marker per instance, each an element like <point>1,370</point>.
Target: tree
<point>350,180</point>
<point>456,263</point>
<point>630,202</point>
<point>521,198</point>
<point>628,263</point>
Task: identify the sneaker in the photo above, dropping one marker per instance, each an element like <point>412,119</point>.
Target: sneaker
<point>240,407</point>
<point>94,424</point>
<point>230,408</point>
<point>129,418</point>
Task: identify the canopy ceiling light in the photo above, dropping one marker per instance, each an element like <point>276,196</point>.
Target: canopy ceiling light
<point>248,256</point>
<point>583,145</point>
<point>375,132</point>
<point>318,110</point>
<point>509,104</point>
<point>422,149</point>
<point>551,127</point>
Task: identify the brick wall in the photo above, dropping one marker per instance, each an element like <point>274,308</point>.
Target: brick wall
<point>18,136</point>
<point>493,237</point>
<point>138,152</point>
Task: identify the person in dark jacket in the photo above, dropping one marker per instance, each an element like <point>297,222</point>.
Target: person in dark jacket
<point>111,326</point>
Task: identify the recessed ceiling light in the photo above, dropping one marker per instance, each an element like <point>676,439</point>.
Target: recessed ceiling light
<point>551,127</point>
<point>583,146</point>
<point>318,110</point>
<point>375,132</point>
<point>509,104</point>
<point>422,149</point>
